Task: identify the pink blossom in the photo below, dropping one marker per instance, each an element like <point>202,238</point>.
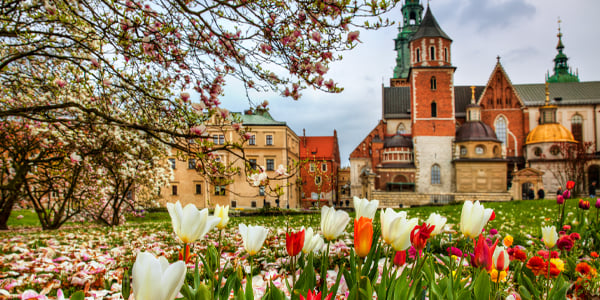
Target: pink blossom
<point>75,158</point>
<point>60,83</point>
<point>281,170</point>
<point>330,84</point>
<point>236,126</point>
<point>185,96</point>
<point>321,69</point>
<point>353,36</point>
<point>198,130</point>
<point>316,36</point>
<point>95,63</point>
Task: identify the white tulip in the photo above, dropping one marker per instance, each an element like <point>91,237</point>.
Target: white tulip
<point>190,224</point>
<point>253,237</point>
<point>154,278</point>
<point>365,208</point>
<point>333,222</point>
<point>400,232</point>
<point>313,242</point>
<point>387,217</point>
<point>222,212</point>
<point>473,218</point>
<point>500,251</point>
<point>550,236</point>
<point>438,221</point>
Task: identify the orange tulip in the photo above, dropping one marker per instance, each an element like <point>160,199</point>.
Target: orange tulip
<point>363,236</point>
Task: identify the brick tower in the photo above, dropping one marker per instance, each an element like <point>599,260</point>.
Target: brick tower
<point>432,105</point>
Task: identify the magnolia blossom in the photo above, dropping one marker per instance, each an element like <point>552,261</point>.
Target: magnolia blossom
<point>258,178</point>
<point>154,278</point>
<point>190,224</point>
<point>365,208</point>
<point>400,232</point>
<point>222,212</point>
<point>387,218</point>
<point>438,221</point>
<point>333,222</point>
<point>253,237</point>
<point>281,170</point>
<point>313,242</point>
<point>473,218</point>
<point>550,236</point>
<point>75,158</point>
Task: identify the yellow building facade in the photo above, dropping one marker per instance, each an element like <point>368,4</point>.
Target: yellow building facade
<point>271,144</point>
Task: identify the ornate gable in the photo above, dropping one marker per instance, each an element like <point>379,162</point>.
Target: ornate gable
<point>364,149</point>
<point>499,92</point>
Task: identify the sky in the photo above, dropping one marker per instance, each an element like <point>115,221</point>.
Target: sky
<point>522,32</point>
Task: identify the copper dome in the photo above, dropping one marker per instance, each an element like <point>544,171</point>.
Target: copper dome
<point>397,141</point>
<point>475,131</point>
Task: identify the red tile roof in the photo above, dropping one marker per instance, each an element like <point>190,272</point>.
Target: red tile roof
<point>319,147</point>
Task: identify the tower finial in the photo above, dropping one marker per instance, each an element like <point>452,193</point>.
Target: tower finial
<point>472,94</point>
<point>498,59</point>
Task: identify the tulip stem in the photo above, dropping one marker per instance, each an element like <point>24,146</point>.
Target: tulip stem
<point>548,278</point>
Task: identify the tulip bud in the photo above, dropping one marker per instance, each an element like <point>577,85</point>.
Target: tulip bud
<point>597,203</point>
<point>550,236</point>
<point>560,199</point>
<point>567,194</point>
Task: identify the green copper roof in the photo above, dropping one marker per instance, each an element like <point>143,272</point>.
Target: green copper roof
<point>260,118</point>
<point>562,72</point>
<point>412,10</point>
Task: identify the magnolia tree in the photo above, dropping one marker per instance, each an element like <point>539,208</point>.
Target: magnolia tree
<point>157,69</point>
<point>27,148</point>
<point>131,171</point>
<point>572,164</point>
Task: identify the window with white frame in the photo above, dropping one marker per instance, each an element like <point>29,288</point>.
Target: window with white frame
<point>501,129</point>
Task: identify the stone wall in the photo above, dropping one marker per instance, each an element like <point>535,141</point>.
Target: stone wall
<point>397,199</point>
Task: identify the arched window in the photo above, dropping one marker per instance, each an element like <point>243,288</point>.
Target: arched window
<point>418,55</point>
<point>435,174</point>
<point>432,53</point>
<point>577,127</point>
<point>400,129</point>
<point>501,129</point>
<point>433,83</point>
<point>433,109</point>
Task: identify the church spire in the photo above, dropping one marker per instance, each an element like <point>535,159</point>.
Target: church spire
<point>562,72</point>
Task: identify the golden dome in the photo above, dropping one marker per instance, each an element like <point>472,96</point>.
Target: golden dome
<point>550,132</point>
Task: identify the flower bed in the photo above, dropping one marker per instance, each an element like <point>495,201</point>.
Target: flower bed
<point>509,259</point>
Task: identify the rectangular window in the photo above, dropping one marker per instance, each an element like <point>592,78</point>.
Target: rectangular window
<point>219,190</point>
<point>252,140</point>
<point>172,163</point>
<point>252,162</point>
<point>261,190</point>
<point>233,204</point>
<point>324,167</point>
<point>219,139</point>
<point>191,163</point>
<point>270,164</point>
<point>198,189</point>
<point>269,140</point>
<point>253,204</point>
<point>174,190</point>
<point>312,167</point>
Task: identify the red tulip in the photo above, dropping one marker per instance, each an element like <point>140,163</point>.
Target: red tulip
<point>570,184</point>
<point>420,234</point>
<point>584,204</point>
<point>294,242</point>
<point>400,258</point>
<point>482,257</point>
<point>363,236</point>
<point>315,296</point>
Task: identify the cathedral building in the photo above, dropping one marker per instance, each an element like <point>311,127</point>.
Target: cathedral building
<point>438,142</point>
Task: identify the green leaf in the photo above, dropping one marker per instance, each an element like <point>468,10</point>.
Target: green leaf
<point>249,290</point>
<point>481,287</point>
<point>126,285</point>
<point>79,295</point>
<point>365,290</point>
<point>525,295</point>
